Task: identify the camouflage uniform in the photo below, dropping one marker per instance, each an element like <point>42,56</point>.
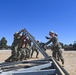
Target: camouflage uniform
<point>21,48</point>
<point>28,48</point>
<point>14,48</point>
<point>36,50</point>
<point>56,48</point>
<point>21,54</point>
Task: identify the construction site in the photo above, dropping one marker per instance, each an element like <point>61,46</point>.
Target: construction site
<point>45,64</point>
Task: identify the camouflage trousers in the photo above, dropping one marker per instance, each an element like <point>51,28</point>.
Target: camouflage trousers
<point>57,54</point>
<point>21,54</point>
<point>37,52</point>
<point>13,56</point>
<point>28,53</point>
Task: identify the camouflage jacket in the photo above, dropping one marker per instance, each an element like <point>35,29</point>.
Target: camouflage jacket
<point>55,42</point>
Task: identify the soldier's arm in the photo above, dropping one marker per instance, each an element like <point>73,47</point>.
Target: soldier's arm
<point>47,37</point>
<point>48,42</point>
<point>23,38</point>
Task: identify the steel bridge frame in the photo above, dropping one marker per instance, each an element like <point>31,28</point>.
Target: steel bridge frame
<point>46,66</point>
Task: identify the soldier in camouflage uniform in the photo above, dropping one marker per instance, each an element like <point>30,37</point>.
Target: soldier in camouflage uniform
<point>21,48</point>
<point>56,47</point>
<point>14,48</point>
<point>16,45</point>
<point>35,49</point>
<point>52,47</point>
<point>27,47</point>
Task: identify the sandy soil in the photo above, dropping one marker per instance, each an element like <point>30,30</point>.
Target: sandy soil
<point>69,57</point>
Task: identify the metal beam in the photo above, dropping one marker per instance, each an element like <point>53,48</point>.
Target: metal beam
<point>59,68</point>
<point>36,68</point>
<point>43,61</point>
<point>36,44</point>
<point>41,72</point>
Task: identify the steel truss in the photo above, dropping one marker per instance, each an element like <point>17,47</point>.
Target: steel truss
<point>46,66</point>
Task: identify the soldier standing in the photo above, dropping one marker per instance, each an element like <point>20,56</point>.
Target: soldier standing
<point>14,48</point>
<point>27,47</point>
<point>56,47</point>
<point>35,49</point>
<point>16,45</point>
<point>21,48</point>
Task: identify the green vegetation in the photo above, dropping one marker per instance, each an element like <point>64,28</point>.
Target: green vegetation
<point>3,43</point>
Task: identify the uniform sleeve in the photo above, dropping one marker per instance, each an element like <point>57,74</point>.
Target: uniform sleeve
<point>47,37</point>
<point>48,42</point>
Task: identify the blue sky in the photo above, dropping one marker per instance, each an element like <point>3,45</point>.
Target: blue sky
<point>39,17</point>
